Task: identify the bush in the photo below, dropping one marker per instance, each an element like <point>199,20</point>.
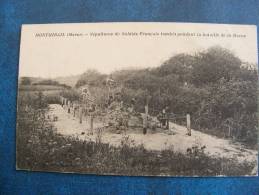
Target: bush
<point>52,99</point>
<point>71,94</point>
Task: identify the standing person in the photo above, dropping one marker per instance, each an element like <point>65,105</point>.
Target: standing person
<point>110,100</point>
<point>132,105</point>
<point>159,118</point>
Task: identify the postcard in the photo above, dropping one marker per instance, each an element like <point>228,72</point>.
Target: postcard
<point>138,99</point>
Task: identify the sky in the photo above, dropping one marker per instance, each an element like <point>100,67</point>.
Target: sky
<point>124,45</point>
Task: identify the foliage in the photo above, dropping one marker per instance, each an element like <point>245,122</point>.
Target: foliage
<point>72,95</point>
<point>213,65</point>
<point>91,77</point>
<point>52,98</point>
<point>39,147</point>
<point>214,86</point>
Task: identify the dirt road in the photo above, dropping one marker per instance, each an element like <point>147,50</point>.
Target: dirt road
<point>69,125</point>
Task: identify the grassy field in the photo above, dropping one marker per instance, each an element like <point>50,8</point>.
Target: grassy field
<point>40,88</point>
<point>49,91</point>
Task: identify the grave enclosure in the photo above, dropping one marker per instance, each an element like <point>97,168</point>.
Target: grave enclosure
<point>83,111</point>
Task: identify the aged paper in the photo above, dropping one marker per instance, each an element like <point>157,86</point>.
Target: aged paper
<point>167,99</point>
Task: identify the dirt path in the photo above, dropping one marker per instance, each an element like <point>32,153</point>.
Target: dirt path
<point>70,126</point>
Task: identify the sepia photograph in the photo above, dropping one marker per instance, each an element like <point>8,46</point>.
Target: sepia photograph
<point>138,99</point>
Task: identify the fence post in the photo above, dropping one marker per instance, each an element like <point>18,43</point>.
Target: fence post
<point>188,118</point>
<point>146,109</point>
<point>229,131</point>
<point>74,110</point>
<point>65,103</point>
<point>80,114</point>
<point>61,101</point>
<point>91,123</point>
<point>69,103</point>
<point>145,120</point>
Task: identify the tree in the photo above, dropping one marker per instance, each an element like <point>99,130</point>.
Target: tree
<point>214,64</point>
<point>179,65</point>
<point>91,77</point>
